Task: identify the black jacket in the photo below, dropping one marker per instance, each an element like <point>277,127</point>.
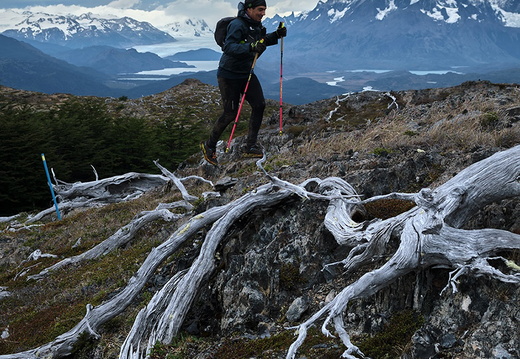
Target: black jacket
<point>237,59</point>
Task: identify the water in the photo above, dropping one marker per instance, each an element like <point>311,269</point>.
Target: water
<point>199,66</point>
<point>182,45</point>
<point>186,44</point>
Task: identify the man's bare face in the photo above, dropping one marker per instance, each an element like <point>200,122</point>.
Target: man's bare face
<point>256,13</point>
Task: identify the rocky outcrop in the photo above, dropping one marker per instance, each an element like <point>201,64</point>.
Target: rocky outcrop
<point>270,268</point>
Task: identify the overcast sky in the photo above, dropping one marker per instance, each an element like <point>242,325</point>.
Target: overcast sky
<point>157,12</point>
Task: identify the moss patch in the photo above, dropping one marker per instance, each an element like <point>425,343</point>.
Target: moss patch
<point>388,208</point>
<point>315,346</point>
<point>391,342</point>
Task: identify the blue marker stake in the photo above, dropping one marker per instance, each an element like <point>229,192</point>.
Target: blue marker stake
<point>50,186</point>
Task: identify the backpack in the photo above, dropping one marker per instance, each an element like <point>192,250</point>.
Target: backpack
<point>221,30</point>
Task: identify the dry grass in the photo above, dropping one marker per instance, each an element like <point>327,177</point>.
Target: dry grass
<point>455,123</point>
<point>38,311</point>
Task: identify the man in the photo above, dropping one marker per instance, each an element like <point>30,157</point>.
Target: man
<point>245,39</point>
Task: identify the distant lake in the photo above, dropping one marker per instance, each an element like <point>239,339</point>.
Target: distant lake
<point>420,73</point>
<point>338,79</point>
<point>164,74</point>
<point>442,72</point>
<point>187,44</point>
<point>199,66</point>
<point>182,45</point>
<point>172,48</point>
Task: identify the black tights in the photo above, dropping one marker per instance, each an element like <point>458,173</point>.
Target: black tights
<point>231,91</point>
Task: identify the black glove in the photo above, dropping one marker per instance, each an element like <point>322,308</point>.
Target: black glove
<point>258,46</point>
<point>281,31</point>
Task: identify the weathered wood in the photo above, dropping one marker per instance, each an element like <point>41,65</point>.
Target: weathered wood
<point>135,345</point>
<point>96,316</point>
<point>187,197</point>
<point>117,240</point>
<point>117,186</point>
<point>428,238</point>
<point>9,219</point>
<point>100,192</point>
<point>430,235</point>
<point>126,233</point>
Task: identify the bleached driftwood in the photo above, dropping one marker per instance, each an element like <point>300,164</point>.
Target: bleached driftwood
<point>111,190</point>
<point>126,233</point>
<point>178,182</point>
<point>430,235</point>
<point>100,192</point>
<point>118,239</point>
<point>165,327</point>
<point>116,186</point>
<point>95,317</point>
<point>9,219</point>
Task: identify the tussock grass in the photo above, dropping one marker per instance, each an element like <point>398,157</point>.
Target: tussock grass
<point>451,122</point>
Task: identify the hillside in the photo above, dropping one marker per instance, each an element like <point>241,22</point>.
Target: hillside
<point>114,135</point>
<point>268,273</point>
<point>23,66</point>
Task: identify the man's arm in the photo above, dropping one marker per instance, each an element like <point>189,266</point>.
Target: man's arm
<point>234,44</point>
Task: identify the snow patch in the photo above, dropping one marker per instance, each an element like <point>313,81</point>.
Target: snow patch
<point>335,15</point>
<point>448,14</point>
<point>511,19</point>
<point>382,13</point>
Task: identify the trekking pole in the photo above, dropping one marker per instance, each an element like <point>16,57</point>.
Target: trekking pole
<point>282,24</point>
<point>241,102</point>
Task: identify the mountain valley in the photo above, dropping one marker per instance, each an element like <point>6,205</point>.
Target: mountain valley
<point>353,45</point>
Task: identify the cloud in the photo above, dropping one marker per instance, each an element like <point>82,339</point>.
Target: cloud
<point>210,11</point>
<point>171,11</point>
<point>285,7</point>
<point>123,4</point>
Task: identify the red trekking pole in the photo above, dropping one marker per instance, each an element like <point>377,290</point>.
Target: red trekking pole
<point>281,79</point>
<point>241,103</point>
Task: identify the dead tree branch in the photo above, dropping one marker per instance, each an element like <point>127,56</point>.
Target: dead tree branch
<point>429,235</point>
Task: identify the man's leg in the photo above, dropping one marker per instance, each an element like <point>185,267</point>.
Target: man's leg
<point>255,97</point>
<point>230,93</point>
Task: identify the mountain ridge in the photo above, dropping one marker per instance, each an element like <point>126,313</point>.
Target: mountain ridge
<point>337,39</point>
<point>399,35</point>
<point>26,67</point>
<point>78,31</point>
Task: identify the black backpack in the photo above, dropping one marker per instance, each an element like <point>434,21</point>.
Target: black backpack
<point>221,30</point>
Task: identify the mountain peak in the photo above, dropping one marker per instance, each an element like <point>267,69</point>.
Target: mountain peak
<point>405,34</point>
<point>82,30</point>
<point>189,28</point>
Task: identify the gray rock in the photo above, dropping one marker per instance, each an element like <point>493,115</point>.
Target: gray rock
<point>296,309</point>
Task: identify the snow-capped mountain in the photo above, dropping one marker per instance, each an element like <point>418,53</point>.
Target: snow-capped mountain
<point>80,31</point>
<point>337,36</point>
<point>189,28</point>
<point>449,11</point>
<point>404,34</point>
